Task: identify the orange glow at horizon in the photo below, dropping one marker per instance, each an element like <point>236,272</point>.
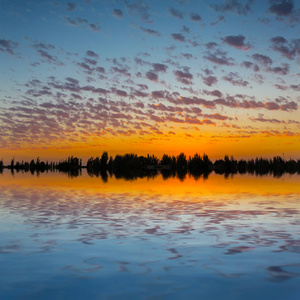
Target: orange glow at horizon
<point>215,146</point>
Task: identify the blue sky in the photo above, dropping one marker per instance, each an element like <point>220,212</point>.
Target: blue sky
<point>149,73</point>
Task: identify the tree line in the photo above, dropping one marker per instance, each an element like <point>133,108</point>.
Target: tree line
<point>132,166</point>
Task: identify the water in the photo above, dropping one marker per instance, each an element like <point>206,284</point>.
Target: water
<point>215,238</point>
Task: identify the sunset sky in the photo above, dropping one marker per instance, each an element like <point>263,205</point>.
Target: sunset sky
<point>215,77</point>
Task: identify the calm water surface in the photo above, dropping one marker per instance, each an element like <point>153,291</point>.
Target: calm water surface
<point>215,238</point>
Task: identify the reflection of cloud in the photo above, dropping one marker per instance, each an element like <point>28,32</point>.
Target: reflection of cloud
<point>279,273</point>
<point>239,249</point>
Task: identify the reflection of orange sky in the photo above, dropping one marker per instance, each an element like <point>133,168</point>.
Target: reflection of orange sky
<point>215,146</point>
<point>214,185</point>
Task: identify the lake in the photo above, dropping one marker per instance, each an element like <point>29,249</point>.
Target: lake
<point>211,238</point>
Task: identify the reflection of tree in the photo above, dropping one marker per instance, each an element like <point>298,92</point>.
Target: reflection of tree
<point>1,166</point>
<point>198,166</point>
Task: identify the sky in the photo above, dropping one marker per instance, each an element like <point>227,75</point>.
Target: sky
<point>215,77</point>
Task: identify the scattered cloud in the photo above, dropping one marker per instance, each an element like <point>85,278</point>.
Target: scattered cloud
<point>176,13</point>
<point>219,57</point>
<point>234,6</point>
<point>118,13</point>
<point>235,79</point>
<point>210,80</point>
<point>237,41</point>
<point>288,50</point>
<point>95,27</point>
<point>140,8</point>
<point>281,8</point>
<point>195,17</point>
<point>178,37</point>
<point>150,31</point>
<point>184,77</point>
<point>71,6</point>
<point>8,46</point>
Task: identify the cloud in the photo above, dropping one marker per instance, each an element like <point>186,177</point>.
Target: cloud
<point>241,8</point>
<point>266,61</point>
<point>210,45</point>
<point>288,50</point>
<point>195,17</point>
<point>187,55</point>
<point>184,77</point>
<point>219,19</point>
<point>274,121</point>
<point>140,8</point>
<point>71,6</point>
<point>282,70</point>
<point>235,79</point>
<point>176,13</point>
<point>159,67</point>
<point>77,21</point>
<point>215,93</point>
<point>152,76</point>
<point>250,65</point>
<point>8,46</point>
<point>236,41</point>
<point>282,8</point>
<point>150,31</point>
<point>91,53</point>
<point>41,48</point>
<point>123,71</point>
<point>219,57</point>
<point>209,80</point>
<point>178,37</point>
<point>164,108</point>
<point>118,13</point>
<point>185,29</point>
<point>95,27</point>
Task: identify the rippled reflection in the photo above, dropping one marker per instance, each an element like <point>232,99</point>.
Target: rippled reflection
<point>74,238</point>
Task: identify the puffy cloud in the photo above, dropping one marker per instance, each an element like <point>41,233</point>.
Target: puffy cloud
<point>45,55</point>
<point>159,67</point>
<point>77,21</point>
<point>219,19</point>
<point>282,70</point>
<point>71,6</point>
<point>150,31</point>
<point>118,13</point>
<point>237,41</point>
<point>209,80</point>
<point>266,61</point>
<point>239,7</point>
<point>178,37</point>
<point>250,65</point>
<point>219,57</point>
<point>195,17</point>
<point>140,8</point>
<point>95,27</point>
<point>176,13</point>
<point>215,93</point>
<point>8,46</point>
<point>282,8</point>
<point>235,79</point>
<point>184,77</point>
<point>91,53</point>
<point>152,76</point>
<point>288,50</point>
